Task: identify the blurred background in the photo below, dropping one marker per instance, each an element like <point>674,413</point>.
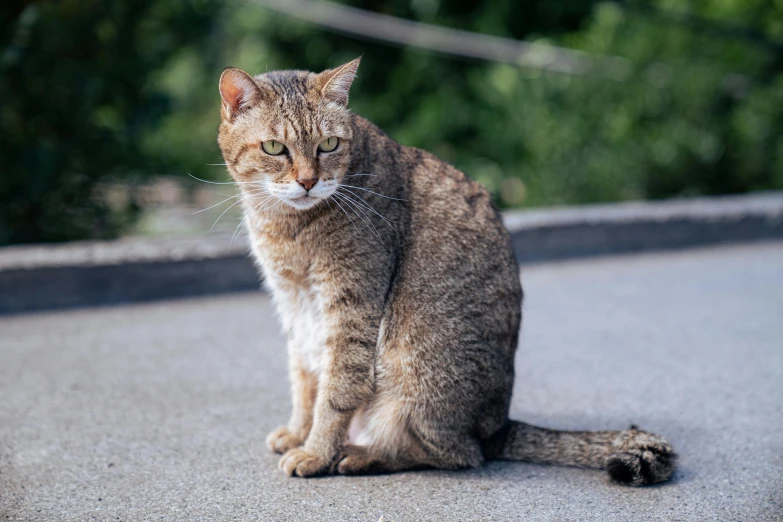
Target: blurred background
<point>109,110</point>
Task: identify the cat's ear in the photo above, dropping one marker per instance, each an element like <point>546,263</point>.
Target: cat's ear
<point>335,83</point>
<point>238,91</point>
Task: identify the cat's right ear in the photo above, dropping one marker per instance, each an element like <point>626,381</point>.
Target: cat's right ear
<point>238,91</point>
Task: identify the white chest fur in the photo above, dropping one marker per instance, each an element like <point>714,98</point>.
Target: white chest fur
<point>300,308</point>
<point>304,322</point>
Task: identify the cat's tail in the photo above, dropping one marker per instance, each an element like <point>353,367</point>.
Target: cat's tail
<point>632,457</point>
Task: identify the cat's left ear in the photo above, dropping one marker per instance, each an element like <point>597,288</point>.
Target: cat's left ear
<point>335,83</point>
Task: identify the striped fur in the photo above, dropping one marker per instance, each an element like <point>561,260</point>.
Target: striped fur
<point>398,290</point>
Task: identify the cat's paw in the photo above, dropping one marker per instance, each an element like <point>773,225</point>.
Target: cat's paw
<point>641,458</point>
<point>282,440</point>
<point>303,463</point>
<point>355,460</point>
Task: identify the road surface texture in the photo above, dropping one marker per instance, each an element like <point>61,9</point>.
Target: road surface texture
<point>159,411</point>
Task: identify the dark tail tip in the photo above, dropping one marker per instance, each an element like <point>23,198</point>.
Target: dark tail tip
<point>641,468</point>
<point>620,471</point>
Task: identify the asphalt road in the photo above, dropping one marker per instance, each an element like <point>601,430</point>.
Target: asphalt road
<point>159,411</point>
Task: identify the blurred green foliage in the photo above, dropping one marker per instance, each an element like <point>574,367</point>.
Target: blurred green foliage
<point>77,104</point>
<point>691,104</point>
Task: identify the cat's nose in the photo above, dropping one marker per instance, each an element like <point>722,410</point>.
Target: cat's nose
<point>307,183</point>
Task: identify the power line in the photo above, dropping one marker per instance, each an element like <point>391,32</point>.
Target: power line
<point>455,42</point>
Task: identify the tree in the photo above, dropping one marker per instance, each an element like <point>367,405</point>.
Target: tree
<point>76,103</point>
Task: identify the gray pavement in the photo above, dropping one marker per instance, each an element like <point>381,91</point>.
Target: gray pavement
<point>159,411</point>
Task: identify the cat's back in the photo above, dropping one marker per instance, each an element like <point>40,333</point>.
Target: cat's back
<point>452,322</point>
<point>458,267</point>
<point>434,190</point>
<point>457,228</point>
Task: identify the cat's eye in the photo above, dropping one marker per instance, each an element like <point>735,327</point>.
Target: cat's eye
<point>328,145</point>
<point>272,147</point>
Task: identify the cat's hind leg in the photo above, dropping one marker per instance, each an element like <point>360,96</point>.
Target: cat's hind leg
<point>363,460</point>
<point>383,438</point>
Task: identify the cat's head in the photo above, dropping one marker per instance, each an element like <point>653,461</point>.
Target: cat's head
<point>287,134</point>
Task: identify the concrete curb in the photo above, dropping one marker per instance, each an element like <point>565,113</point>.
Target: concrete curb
<point>590,230</point>
<point>77,274</point>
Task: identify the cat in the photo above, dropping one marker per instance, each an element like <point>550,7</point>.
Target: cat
<point>398,291</point>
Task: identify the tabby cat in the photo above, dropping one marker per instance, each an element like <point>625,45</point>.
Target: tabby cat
<point>398,290</point>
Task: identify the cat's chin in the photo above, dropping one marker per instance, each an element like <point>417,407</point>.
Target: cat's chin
<point>303,203</point>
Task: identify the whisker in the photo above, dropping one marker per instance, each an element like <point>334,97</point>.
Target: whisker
<point>224,182</point>
<point>243,221</point>
<point>239,195</point>
<point>256,193</point>
<point>224,212</point>
<point>216,204</point>
<point>344,212</point>
<point>360,201</point>
<point>211,182</point>
<point>362,210</point>
<point>268,204</point>
<point>368,206</point>
<point>366,221</point>
<point>371,192</point>
<point>236,232</point>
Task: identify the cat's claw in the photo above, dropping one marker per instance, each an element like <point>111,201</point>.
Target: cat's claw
<point>302,463</point>
<point>282,440</point>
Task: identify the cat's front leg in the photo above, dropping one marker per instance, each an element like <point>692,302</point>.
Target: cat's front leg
<point>303,324</point>
<point>345,383</point>
<point>304,386</point>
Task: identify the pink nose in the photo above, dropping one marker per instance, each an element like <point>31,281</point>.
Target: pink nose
<point>307,183</point>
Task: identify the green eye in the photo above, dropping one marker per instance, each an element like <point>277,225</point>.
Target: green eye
<point>272,147</point>
<point>328,145</point>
